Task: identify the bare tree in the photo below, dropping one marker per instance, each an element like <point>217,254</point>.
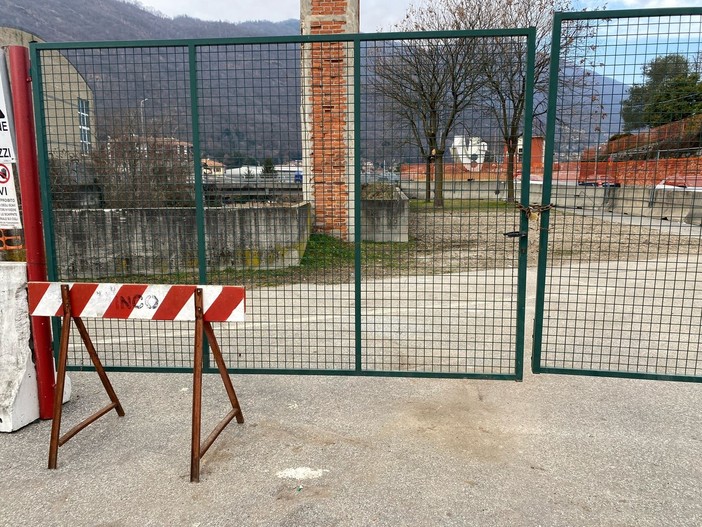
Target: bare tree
<point>430,83</point>
<point>137,164</point>
<point>503,63</point>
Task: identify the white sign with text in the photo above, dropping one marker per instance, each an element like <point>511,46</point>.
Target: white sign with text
<point>7,143</point>
<point>9,211</point>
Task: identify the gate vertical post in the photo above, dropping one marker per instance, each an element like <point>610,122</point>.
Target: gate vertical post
<point>524,201</point>
<point>358,228</point>
<point>197,164</point>
<point>28,168</point>
<point>546,192</point>
<point>197,167</point>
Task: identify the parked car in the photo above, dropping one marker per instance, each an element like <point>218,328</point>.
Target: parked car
<point>598,181</point>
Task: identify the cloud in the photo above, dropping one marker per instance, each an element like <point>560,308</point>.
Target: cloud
<point>375,14</point>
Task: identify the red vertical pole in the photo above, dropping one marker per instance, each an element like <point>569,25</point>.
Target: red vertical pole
<point>28,169</point>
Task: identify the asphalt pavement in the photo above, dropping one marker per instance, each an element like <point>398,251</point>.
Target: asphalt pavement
<point>349,451</point>
<point>324,451</point>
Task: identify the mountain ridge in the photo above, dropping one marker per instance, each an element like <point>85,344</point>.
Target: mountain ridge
<point>100,20</point>
<point>266,78</point>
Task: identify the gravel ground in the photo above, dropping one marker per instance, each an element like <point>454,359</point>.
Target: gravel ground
<point>453,241</point>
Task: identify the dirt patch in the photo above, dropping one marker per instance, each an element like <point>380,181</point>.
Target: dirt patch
<point>461,424</point>
<point>474,239</point>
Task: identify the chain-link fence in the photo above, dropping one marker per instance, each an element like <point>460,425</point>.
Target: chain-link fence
<point>360,188</point>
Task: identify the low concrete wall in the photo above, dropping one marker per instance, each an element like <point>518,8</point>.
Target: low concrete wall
<point>570,196</point>
<point>672,204</point>
<point>19,404</point>
<point>96,243</point>
<point>456,189</point>
<point>385,220</point>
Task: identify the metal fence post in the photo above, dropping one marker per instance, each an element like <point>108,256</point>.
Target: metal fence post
<point>31,212</point>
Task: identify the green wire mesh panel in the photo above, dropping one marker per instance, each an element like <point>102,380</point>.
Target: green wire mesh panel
<point>621,281</point>
<point>439,276</point>
<point>279,212</point>
<point>291,166</point>
<point>330,289</point>
<point>119,172</point>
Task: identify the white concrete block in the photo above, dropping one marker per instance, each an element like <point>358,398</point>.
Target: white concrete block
<point>19,403</point>
<point>25,405</point>
<point>18,389</point>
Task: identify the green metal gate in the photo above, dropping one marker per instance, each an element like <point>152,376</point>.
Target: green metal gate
<point>297,167</point>
<point>619,264</point>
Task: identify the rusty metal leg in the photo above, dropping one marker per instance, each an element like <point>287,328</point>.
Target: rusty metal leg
<point>197,390</point>
<point>98,366</point>
<point>214,345</point>
<point>60,378</point>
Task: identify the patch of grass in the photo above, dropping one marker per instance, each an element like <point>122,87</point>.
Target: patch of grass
<point>460,204</point>
<point>325,257</point>
<point>324,252</point>
<point>387,254</point>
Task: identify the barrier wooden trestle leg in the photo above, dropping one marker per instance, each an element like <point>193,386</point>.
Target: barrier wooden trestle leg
<point>226,304</point>
<point>56,439</point>
<point>199,449</point>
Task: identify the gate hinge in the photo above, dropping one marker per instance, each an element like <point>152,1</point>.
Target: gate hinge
<point>516,234</point>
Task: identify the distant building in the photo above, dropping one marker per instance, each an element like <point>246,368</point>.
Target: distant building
<point>452,172</point>
<point>152,151</point>
<point>212,167</point>
<point>470,152</point>
<point>290,172</point>
<point>69,105</point>
<point>538,144</point>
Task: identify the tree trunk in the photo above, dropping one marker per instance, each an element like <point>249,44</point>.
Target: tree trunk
<point>511,154</point>
<point>427,172</point>
<point>439,180</point>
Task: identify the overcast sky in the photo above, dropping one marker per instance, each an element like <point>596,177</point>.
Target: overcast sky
<point>375,14</point>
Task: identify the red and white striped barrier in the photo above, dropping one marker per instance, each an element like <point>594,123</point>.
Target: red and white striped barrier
<point>201,303</point>
<point>138,301</point>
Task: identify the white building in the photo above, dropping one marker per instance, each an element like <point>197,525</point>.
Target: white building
<point>471,153</point>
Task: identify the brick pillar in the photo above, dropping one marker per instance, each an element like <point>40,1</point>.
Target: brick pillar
<point>327,114</point>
